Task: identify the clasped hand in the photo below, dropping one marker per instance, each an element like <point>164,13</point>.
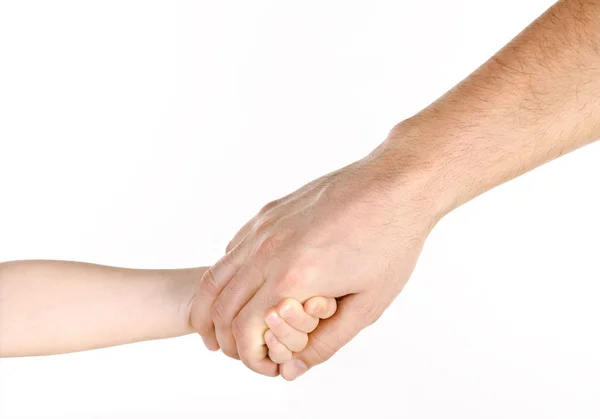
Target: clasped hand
<point>352,236</point>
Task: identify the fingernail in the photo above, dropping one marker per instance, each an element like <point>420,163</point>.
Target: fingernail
<point>297,368</point>
<point>273,320</point>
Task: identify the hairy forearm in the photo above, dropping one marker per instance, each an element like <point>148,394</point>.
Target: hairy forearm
<point>536,99</point>
<point>50,307</point>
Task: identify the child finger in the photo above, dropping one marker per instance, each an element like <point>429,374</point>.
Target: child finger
<point>293,339</point>
<point>293,313</point>
<point>321,307</point>
<point>277,350</point>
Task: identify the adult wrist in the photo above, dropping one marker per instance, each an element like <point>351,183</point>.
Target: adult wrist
<point>408,157</point>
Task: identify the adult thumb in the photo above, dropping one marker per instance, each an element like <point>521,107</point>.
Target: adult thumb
<point>352,316</point>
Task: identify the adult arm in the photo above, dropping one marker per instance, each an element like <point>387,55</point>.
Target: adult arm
<point>356,234</point>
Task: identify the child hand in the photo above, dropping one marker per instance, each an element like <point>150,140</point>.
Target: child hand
<point>291,322</point>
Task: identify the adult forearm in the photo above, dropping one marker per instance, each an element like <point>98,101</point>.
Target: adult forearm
<point>536,99</point>
<point>49,307</point>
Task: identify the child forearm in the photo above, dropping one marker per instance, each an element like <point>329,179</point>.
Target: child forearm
<point>49,307</point>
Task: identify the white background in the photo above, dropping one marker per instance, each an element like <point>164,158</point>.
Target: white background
<point>144,134</point>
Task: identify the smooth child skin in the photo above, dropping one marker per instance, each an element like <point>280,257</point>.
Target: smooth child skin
<point>54,307</point>
<point>290,324</point>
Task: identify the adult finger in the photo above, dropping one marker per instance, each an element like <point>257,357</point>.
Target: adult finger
<point>240,235</point>
<point>212,283</point>
<point>210,341</point>
<point>243,232</point>
<point>248,329</point>
<point>236,294</point>
<point>352,316</point>
<point>253,352</point>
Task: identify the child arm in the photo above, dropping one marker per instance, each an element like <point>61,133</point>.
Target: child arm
<point>50,307</point>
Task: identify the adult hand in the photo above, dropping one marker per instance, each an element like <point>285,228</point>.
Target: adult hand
<point>357,232</point>
<point>354,234</point>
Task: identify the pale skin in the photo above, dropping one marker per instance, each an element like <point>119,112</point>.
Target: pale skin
<point>356,234</point>
<point>54,307</point>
